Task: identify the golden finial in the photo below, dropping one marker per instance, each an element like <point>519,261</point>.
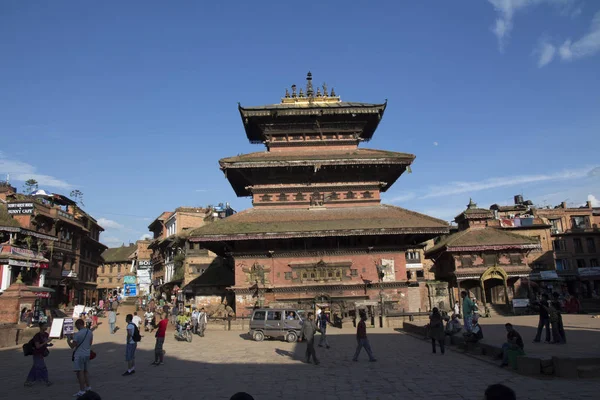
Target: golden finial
<point>294,91</point>
<point>333,92</point>
<point>287,93</point>
<point>318,92</point>
<point>325,89</point>
<point>309,86</point>
<point>301,93</point>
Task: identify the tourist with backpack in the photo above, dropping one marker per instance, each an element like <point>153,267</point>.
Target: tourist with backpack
<point>133,337</point>
<point>38,348</point>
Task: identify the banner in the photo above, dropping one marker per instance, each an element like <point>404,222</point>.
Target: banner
<point>68,326</point>
<point>129,279</point>
<point>130,289</point>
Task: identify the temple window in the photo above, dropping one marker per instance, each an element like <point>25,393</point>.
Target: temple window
<point>367,195</point>
<point>288,276</point>
<point>515,259</point>
<point>337,274</point>
<point>300,197</point>
<point>466,262</point>
<point>304,276</point>
<point>350,195</point>
<point>354,272</point>
<point>334,196</point>
<point>282,197</point>
<point>312,275</point>
<point>265,197</point>
<point>490,259</point>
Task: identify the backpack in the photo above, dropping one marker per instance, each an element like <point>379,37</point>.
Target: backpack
<point>28,348</point>
<point>136,333</point>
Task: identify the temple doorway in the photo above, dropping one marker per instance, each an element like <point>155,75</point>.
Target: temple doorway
<point>494,291</point>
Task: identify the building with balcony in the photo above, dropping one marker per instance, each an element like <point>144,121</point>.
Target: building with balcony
<point>67,237</point>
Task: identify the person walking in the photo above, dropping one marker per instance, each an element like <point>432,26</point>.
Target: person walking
<point>436,329</point>
<point>323,321</point>
<point>308,333</point>
<point>161,333</point>
<point>556,322</point>
<point>544,320</point>
<point>195,315</point>
<point>202,321</point>
<point>131,345</point>
<point>174,315</point>
<point>362,340</point>
<point>136,320</point>
<point>456,308</point>
<point>468,308</point>
<point>39,372</point>
<point>82,343</point>
<point>112,320</point>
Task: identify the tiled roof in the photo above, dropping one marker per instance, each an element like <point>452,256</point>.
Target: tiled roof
<point>119,254</point>
<point>283,223</point>
<point>483,237</point>
<point>320,155</point>
<point>341,106</point>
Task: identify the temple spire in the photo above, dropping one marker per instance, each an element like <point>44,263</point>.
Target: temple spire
<point>309,86</point>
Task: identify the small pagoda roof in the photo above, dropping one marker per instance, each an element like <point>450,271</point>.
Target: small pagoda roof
<point>320,156</point>
<point>480,239</point>
<point>257,223</point>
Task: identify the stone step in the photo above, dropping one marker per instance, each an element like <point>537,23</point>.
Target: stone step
<point>588,371</point>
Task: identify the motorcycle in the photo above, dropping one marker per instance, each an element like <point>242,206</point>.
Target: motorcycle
<point>186,333</point>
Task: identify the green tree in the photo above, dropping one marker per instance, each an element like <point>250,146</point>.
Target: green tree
<point>30,186</point>
<point>77,195</point>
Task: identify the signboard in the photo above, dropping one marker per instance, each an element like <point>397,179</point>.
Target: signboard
<point>24,252</point>
<point>414,266</point>
<point>69,274</point>
<point>28,264</point>
<point>57,327</point>
<point>548,275</point>
<point>589,271</point>
<point>520,303</point>
<point>20,208</point>
<point>143,277</point>
<point>387,265</point>
<point>68,326</point>
<point>144,264</point>
<point>130,289</point>
<point>42,295</point>
<point>129,279</point>
<point>78,310</point>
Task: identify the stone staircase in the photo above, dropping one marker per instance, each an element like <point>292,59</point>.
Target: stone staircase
<point>496,310</point>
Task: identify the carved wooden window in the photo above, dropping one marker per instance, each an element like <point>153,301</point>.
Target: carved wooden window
<point>265,197</point>
<point>354,272</point>
<point>490,259</point>
<point>288,276</point>
<point>300,197</point>
<point>338,274</point>
<point>515,259</point>
<point>304,275</point>
<point>312,275</point>
<point>367,195</point>
<point>282,197</point>
<point>350,195</point>
<point>466,262</point>
<point>334,196</point>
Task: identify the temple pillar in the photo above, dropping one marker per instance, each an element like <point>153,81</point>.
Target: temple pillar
<point>6,277</point>
<point>505,283</point>
<point>483,298</point>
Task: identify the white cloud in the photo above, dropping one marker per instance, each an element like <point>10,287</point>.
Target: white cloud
<point>145,236</point>
<point>109,224</point>
<point>21,171</point>
<point>401,198</point>
<point>112,241</point>
<point>201,190</point>
<point>506,10</point>
<point>435,143</point>
<point>595,201</point>
<point>546,52</point>
<point>587,45</point>
<point>453,188</point>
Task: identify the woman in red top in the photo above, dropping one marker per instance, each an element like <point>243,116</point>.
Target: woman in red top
<point>39,372</point>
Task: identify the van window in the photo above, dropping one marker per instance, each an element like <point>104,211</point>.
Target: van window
<point>290,315</point>
<point>274,316</point>
<point>258,316</point>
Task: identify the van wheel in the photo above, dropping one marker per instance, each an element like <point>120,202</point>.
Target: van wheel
<point>258,336</point>
<point>291,337</point>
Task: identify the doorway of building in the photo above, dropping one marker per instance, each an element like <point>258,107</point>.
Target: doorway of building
<point>494,291</point>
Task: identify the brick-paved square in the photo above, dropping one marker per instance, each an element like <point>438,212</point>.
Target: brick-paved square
<point>222,363</point>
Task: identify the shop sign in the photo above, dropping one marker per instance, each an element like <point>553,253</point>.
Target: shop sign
<point>547,275</point>
<point>144,264</point>
<point>592,271</point>
<point>23,252</point>
<point>20,208</point>
<point>42,295</point>
<point>69,274</point>
<point>129,279</point>
<point>130,289</point>
<point>414,266</point>
<point>520,303</point>
<point>68,326</point>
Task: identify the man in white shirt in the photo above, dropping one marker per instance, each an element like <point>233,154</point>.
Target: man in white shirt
<point>136,320</point>
<point>82,343</point>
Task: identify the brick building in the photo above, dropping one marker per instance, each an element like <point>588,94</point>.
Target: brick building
<point>317,235</point>
<point>65,235</point>
<point>114,269</point>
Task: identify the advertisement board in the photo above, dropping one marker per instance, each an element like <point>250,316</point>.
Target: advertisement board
<point>130,290</point>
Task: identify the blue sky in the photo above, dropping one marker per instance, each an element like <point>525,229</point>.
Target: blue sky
<point>133,103</point>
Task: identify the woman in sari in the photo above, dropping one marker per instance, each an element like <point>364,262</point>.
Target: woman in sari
<point>39,372</point>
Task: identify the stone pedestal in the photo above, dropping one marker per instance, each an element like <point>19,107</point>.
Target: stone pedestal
<point>16,297</point>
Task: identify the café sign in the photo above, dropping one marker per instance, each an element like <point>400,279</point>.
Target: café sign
<point>20,208</point>
<point>143,264</point>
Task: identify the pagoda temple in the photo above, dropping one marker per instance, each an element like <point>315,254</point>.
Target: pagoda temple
<point>317,235</point>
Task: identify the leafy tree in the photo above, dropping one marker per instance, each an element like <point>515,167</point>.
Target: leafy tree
<point>30,186</point>
<point>78,196</point>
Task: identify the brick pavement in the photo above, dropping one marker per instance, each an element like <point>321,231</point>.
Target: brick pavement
<point>223,363</point>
